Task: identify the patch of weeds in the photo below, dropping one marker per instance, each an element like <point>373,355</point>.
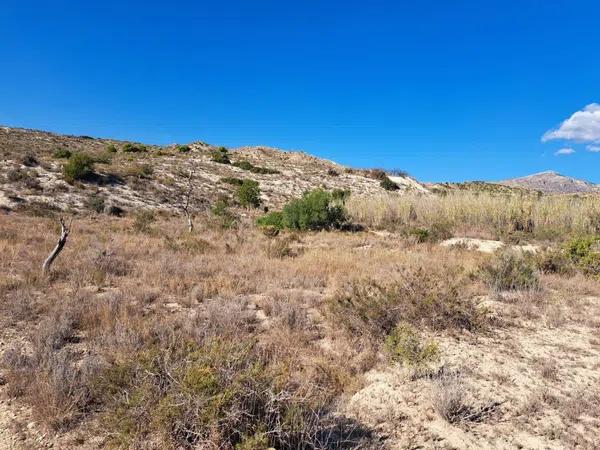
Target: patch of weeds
<point>184,148</point>
<point>111,148</point>
<point>511,271</point>
<point>95,202</point>
<point>405,345</point>
<point>225,218</point>
<point>143,220</point>
<point>61,153</point>
<point>418,296</point>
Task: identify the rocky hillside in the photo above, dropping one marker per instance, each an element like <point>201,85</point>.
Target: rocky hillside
<point>553,182</point>
<point>130,175</point>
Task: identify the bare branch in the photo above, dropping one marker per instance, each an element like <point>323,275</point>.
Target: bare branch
<point>62,240</point>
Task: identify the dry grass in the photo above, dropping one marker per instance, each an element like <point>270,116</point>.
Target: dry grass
<point>222,337</point>
<point>482,214</point>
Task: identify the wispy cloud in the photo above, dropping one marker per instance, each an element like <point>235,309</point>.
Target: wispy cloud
<point>582,126</point>
<point>564,151</point>
<point>593,148</point>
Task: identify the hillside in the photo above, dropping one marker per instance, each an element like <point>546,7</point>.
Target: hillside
<point>553,183</point>
<point>156,176</point>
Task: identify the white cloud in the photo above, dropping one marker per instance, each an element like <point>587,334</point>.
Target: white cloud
<point>582,126</point>
<point>564,151</point>
<point>593,148</point>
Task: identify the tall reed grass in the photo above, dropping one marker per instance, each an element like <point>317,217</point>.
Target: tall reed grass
<point>543,217</point>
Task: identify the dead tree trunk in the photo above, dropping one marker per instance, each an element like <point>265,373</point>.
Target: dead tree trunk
<point>190,222</point>
<point>62,240</point>
<point>186,205</point>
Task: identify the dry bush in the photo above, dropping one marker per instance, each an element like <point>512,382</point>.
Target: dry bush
<point>510,271</point>
<point>451,399</point>
<point>416,295</point>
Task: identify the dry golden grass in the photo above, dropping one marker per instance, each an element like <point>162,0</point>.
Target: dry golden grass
<point>482,214</point>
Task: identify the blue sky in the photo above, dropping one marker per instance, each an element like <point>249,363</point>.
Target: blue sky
<point>445,90</point>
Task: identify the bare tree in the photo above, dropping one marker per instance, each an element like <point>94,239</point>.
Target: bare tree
<point>62,240</point>
<point>187,198</point>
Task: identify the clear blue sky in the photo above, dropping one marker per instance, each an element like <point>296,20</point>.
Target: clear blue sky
<point>447,90</point>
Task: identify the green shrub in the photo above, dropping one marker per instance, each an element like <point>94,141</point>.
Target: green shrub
<point>218,394</point>
<point>273,219</point>
<point>585,254</point>
<point>388,184</point>
<point>183,148</point>
<point>341,195</point>
<point>111,148</point>
<point>511,271</point>
<point>62,153</point>
<point>315,210</point>
<point>405,345</point>
<point>134,148</point>
<point>420,234</point>
<point>248,194</point>
<point>220,155</point>
<point>254,169</point>
<point>143,220</point>
<point>225,218</point>
<point>79,167</point>
<point>232,180</point>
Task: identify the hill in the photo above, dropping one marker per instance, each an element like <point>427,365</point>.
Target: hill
<point>130,175</point>
<point>554,183</point>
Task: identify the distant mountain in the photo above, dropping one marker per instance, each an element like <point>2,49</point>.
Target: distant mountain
<point>553,182</point>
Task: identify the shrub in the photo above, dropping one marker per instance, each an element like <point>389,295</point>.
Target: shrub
<point>248,194</point>
<point>232,180</point>
<point>553,261</point>
<point>273,219</point>
<point>79,167</point>
<point>96,203</point>
<point>111,148</point>
<point>62,153</point>
<point>511,272</point>
<point>225,218</point>
<point>143,220</point>
<point>139,171</point>
<point>332,172</point>
<point>28,160</point>
<point>183,148</point>
<point>340,195</point>
<point>316,210</point>
<point>405,345</point>
<point>134,148</point>
<point>220,155</point>
<point>418,296</point>
<point>585,254</point>
<point>254,169</point>
<point>388,184</point>
<point>220,393</point>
